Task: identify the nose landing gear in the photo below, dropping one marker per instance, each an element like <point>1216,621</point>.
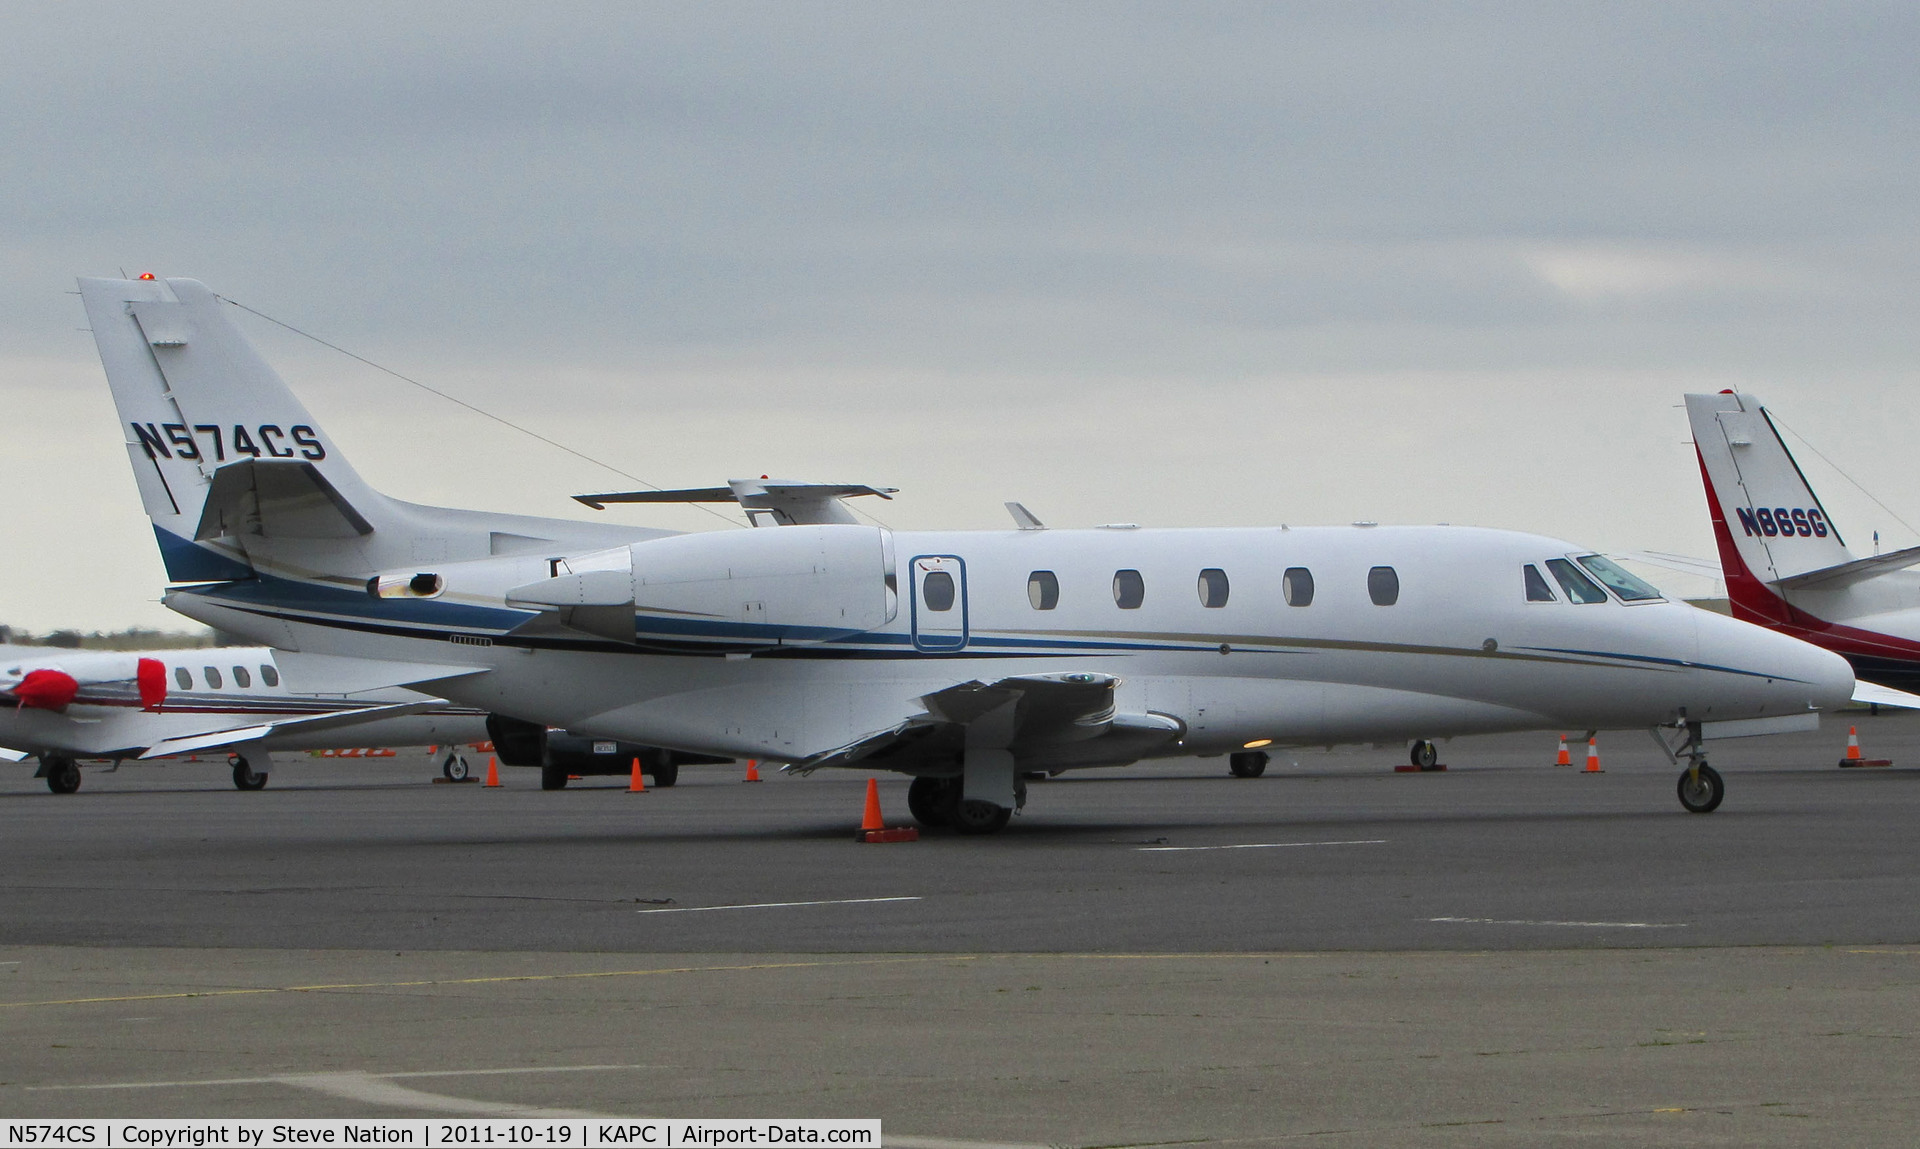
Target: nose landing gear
<point>1700,786</point>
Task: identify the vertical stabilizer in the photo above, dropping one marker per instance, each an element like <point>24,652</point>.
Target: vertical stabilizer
<point>1768,521</point>
<point>224,454</point>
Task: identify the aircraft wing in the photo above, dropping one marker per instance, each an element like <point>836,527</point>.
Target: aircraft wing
<point>1685,564</point>
<point>313,723</point>
<point>9,754</point>
<point>1050,715</point>
<point>334,674</point>
<point>768,502</point>
<point>1877,695</point>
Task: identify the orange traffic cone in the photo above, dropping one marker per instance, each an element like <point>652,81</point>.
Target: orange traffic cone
<point>871,819</point>
<point>1563,758</point>
<point>493,771</point>
<point>639,784</point>
<point>1854,757</point>
<point>753,771</point>
<point>1593,757</point>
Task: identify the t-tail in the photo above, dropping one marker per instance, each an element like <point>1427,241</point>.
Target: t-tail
<point>238,477</point>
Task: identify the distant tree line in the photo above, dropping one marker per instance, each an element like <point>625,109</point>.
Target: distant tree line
<point>133,638</point>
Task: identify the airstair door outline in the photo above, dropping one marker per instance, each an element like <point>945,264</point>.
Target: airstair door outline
<point>939,603</point>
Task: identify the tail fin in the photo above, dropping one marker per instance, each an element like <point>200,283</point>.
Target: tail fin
<point>223,453</point>
<point>1768,522</point>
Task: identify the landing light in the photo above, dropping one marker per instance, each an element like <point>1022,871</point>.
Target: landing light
<point>1257,743</point>
<point>146,275</point>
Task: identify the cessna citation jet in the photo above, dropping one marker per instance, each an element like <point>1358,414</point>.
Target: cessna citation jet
<point>964,659</point>
<point>1786,566</point>
<point>63,706</point>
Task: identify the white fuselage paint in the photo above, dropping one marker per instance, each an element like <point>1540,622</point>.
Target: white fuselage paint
<point>106,719</point>
<point>1460,652</point>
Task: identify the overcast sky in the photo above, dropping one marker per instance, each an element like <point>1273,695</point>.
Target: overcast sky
<point>1175,264</point>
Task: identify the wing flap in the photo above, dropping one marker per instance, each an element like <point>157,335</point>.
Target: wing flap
<point>313,723</point>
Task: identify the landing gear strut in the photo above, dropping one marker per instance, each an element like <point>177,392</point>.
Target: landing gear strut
<point>1700,787</point>
<point>244,776</point>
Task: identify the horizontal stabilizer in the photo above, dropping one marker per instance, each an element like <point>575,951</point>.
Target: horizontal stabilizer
<point>191,743</point>
<point>768,502</point>
<point>335,674</point>
<point>285,500</point>
<point>1873,694</point>
<point>8,754</point>
<point>1850,572</point>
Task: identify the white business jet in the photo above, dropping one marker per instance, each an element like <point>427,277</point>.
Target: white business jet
<point>67,706</point>
<point>965,659</point>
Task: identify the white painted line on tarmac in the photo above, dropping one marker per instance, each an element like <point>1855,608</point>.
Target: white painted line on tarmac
<point>1256,846</point>
<point>776,905</point>
<point>278,1078</point>
<point>1580,925</point>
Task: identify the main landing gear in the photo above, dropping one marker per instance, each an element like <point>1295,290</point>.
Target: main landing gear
<point>937,802</point>
<point>1247,764</point>
<point>244,775</point>
<point>62,774</point>
<point>1700,787</point>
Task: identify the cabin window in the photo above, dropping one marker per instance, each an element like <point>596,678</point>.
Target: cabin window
<point>1043,590</point>
<point>1129,589</point>
<point>1537,588</point>
<point>937,591</point>
<point>1213,587</point>
<point>1298,584</point>
<point>213,676</point>
<point>269,675</point>
<point>241,678</point>
<point>1579,587</point>
<point>184,677</point>
<point>1629,588</point>
<point>1383,586</point>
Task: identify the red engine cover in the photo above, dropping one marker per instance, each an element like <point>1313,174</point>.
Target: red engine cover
<point>46,689</point>
<point>151,676</point>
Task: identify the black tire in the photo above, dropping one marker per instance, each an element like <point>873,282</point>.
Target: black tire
<point>1247,764</point>
<point>1424,754</point>
<point>972,816</point>
<point>552,779</point>
<point>63,775</point>
<point>665,770</point>
<point>931,800</point>
<point>1702,797</point>
<point>244,777</point>
<point>455,768</point>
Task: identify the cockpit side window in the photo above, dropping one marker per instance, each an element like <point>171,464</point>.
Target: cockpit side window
<point>1579,587</point>
<point>1537,588</point>
<point>1629,588</point>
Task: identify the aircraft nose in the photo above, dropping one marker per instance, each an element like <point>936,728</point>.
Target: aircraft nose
<point>1796,676</point>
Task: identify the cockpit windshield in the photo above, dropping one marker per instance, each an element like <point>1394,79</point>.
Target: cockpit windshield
<point>1579,587</point>
<point>1629,588</point>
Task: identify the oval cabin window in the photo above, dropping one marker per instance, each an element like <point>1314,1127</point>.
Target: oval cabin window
<point>1298,584</point>
<point>241,678</point>
<point>269,675</point>
<point>1383,586</point>
<point>936,592</point>
<point>212,674</point>
<point>184,677</point>
<point>1129,589</point>
<point>1213,587</point>
<point>1043,590</point>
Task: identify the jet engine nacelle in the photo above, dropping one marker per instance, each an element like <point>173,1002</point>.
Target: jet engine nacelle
<point>741,590</point>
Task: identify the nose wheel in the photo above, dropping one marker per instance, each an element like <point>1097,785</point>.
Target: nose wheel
<point>1701,789</point>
